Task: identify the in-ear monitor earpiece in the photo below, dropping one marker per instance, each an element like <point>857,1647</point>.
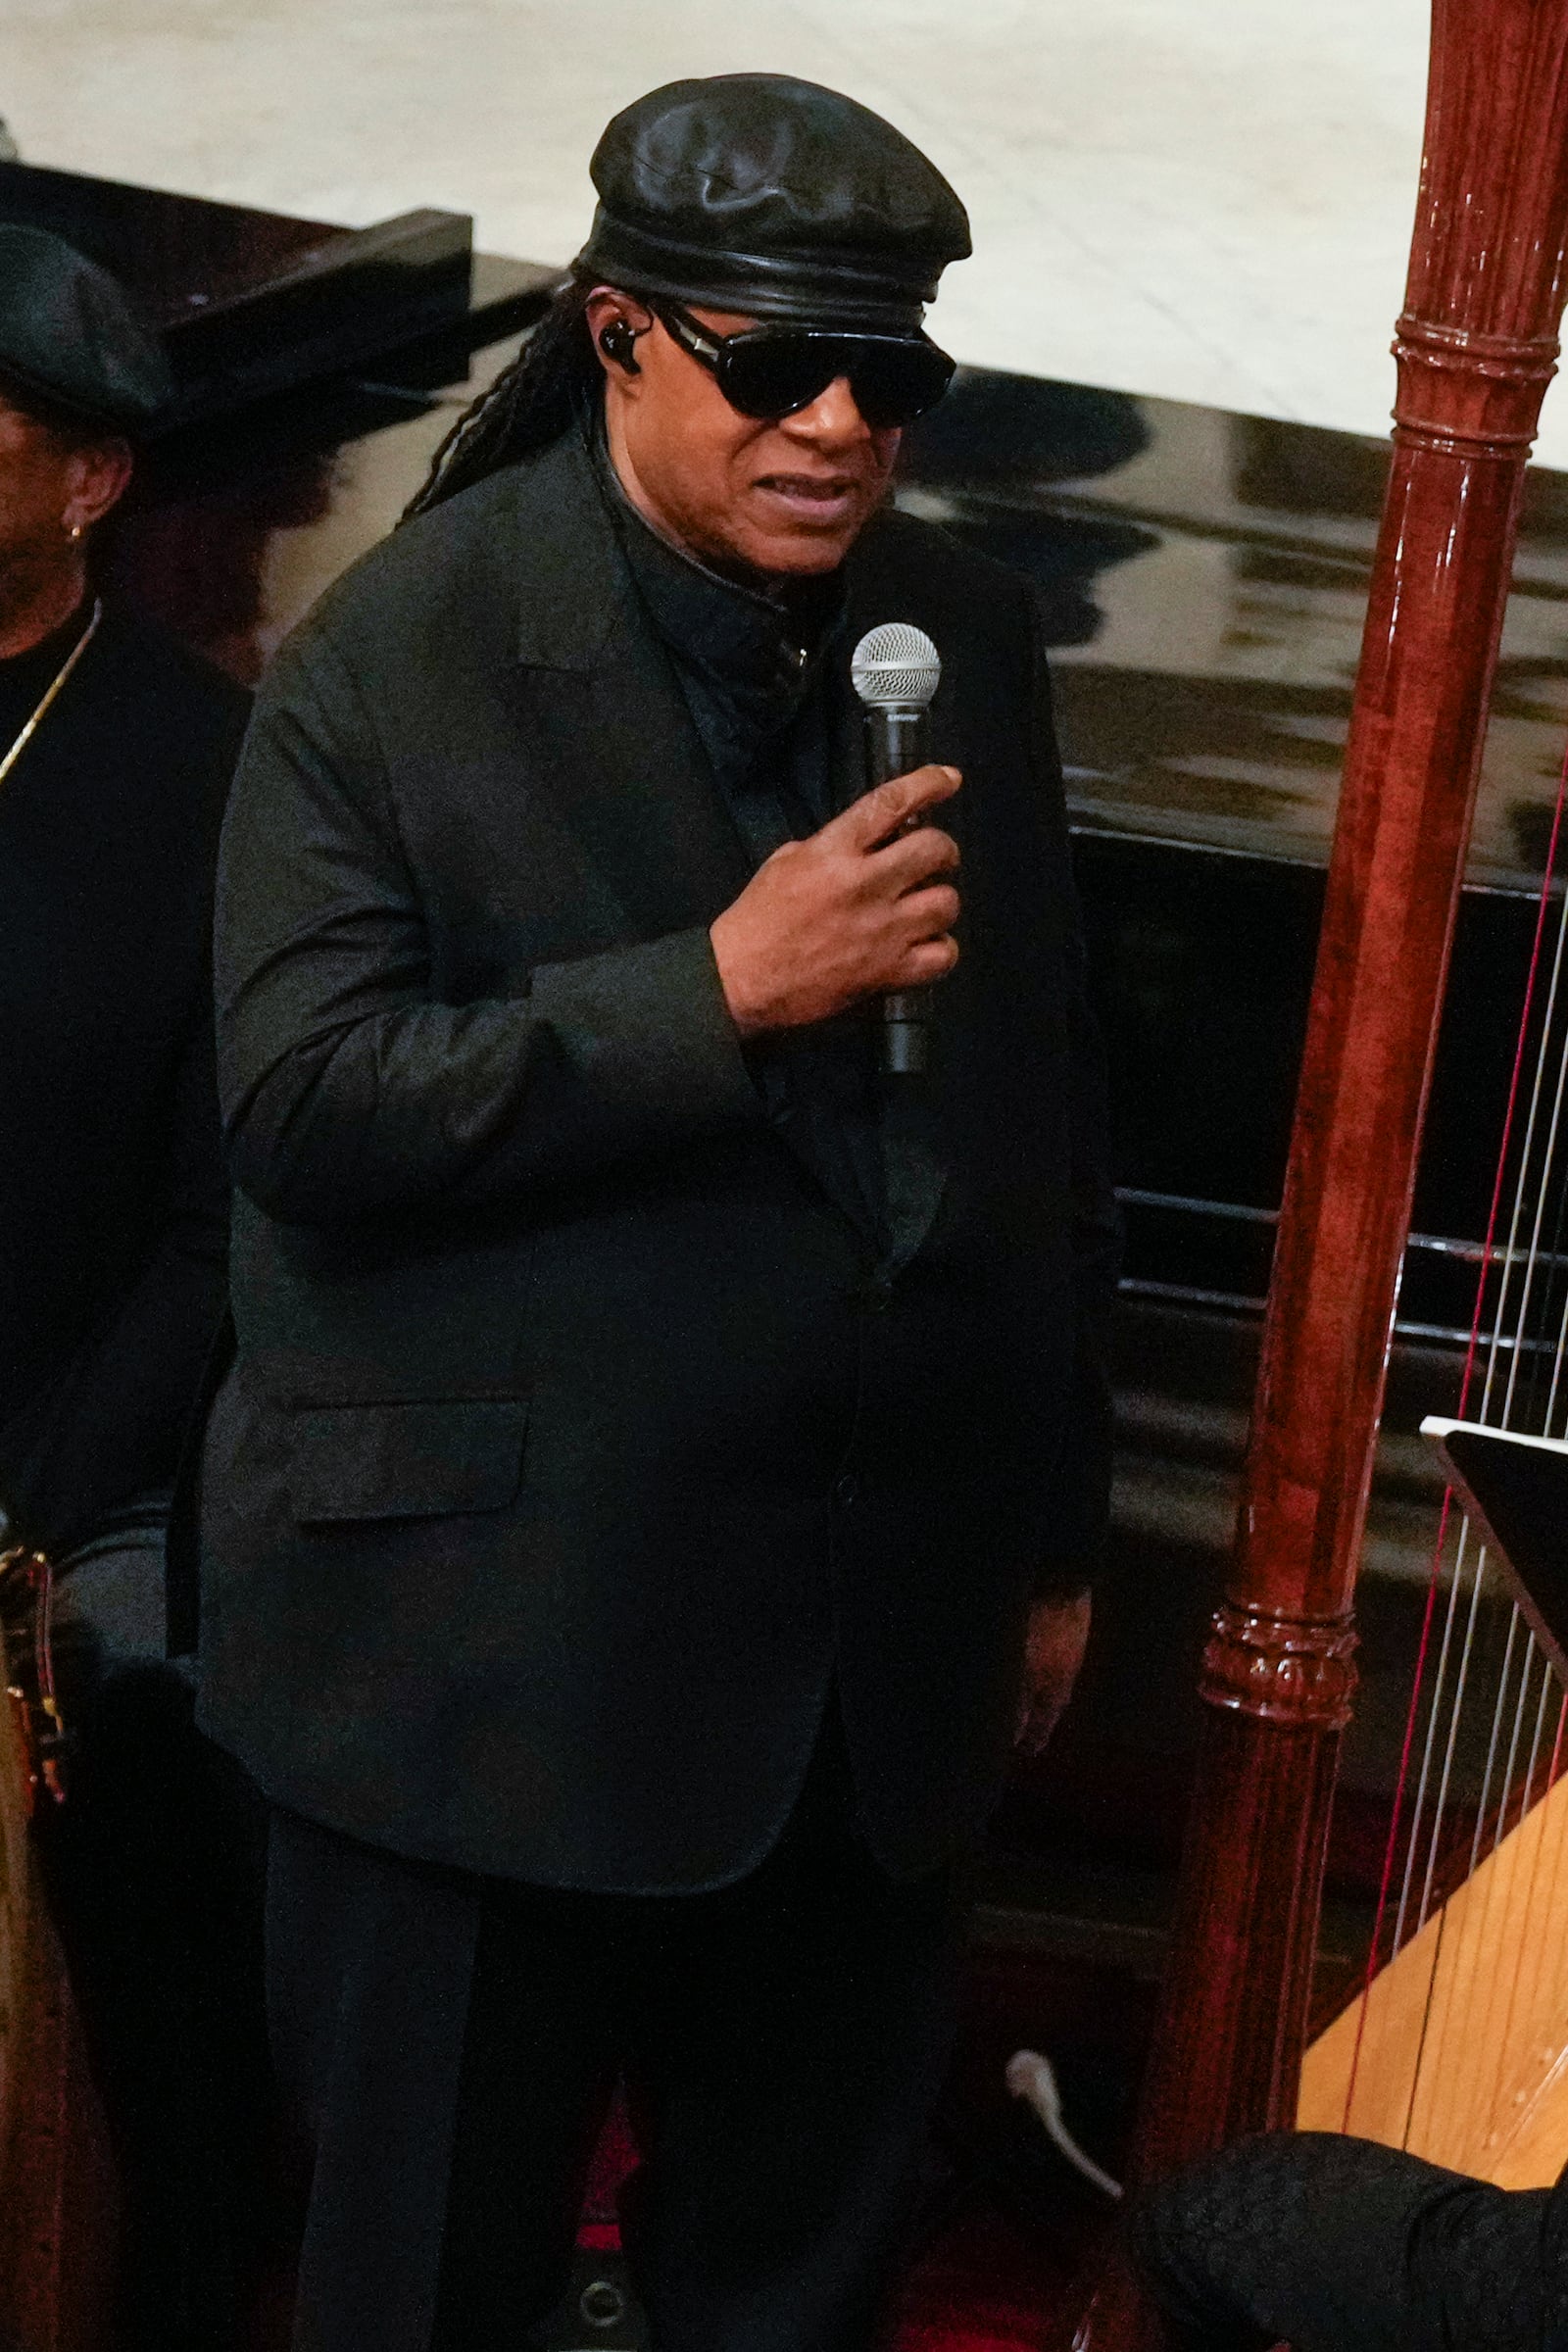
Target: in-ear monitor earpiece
<point>619,343</point>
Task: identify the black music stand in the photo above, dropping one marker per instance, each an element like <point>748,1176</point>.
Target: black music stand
<point>1516,1490</point>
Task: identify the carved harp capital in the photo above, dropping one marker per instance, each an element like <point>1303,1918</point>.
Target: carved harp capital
<point>1285,1670</point>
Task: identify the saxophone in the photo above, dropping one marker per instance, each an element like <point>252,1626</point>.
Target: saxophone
<point>26,1662</point>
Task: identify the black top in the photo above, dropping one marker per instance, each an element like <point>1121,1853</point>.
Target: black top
<point>750,662</point>
<point>25,678</point>
<point>112,1206</point>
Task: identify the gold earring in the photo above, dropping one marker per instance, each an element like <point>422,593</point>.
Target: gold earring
<point>74,529</point>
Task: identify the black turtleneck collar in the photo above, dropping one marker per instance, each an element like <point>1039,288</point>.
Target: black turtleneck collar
<point>752,654</point>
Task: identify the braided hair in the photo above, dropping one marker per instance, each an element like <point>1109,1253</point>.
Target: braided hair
<point>547,388</point>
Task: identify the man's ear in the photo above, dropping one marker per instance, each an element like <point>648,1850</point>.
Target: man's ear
<point>96,476</point>
<point>615,327</point>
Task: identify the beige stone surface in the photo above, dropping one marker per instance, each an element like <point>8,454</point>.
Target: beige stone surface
<point>1208,199</point>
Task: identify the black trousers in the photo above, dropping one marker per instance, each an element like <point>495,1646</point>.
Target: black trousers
<point>154,1869</point>
<point>451,2043</point>
<point>1339,2245</point>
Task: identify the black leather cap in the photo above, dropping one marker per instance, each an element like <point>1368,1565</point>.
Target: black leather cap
<point>69,345</point>
<point>757,194</point>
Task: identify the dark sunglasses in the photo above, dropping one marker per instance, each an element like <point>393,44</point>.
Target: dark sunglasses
<point>771,372</point>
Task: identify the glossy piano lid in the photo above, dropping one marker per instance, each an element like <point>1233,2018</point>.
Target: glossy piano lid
<point>1205,575</point>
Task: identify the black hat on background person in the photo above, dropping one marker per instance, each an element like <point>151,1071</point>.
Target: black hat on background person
<point>754,195</point>
<point>82,381</point>
<point>73,351</point>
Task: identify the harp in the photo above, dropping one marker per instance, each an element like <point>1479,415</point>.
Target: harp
<point>1476,345</point>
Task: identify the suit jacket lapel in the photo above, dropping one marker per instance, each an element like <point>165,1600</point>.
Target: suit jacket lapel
<point>600,697</point>
<point>633,781</point>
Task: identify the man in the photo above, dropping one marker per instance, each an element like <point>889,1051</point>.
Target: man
<point>650,1426</point>
<point>116,751</point>
<point>1340,2245</point>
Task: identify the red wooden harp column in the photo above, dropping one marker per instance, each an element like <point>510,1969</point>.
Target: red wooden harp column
<point>1475,347</point>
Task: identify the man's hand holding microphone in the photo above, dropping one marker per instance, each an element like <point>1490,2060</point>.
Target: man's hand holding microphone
<point>864,907</point>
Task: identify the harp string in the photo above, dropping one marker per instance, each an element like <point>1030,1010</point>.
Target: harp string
<point>1435,1975</point>
<point>1440,1985</point>
<point>1437,1708</point>
<point>1441,1707</point>
<point>1440,1995</point>
<point>1530,1954</point>
<point>1522,1378</point>
<point>1454,1714</point>
<point>1501,1988</point>
<point>1503,1816</point>
<point>1546,1947</point>
<point>1399,1824</point>
<point>1499,1713</point>
<point>1509,1995</point>
<point>1444,1708</point>
<point>1529,1949</point>
<point>1548,1416</point>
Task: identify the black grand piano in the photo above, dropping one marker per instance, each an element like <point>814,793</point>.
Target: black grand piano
<point>1205,575</point>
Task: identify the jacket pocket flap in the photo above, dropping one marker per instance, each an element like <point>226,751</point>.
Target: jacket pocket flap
<point>414,1461</point>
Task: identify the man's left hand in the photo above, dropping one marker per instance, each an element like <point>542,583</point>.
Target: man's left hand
<point>1053,1651</point>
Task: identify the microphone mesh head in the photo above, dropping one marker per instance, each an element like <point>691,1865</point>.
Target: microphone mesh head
<point>896,667</point>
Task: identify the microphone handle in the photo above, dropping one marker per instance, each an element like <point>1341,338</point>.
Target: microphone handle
<point>897,741</point>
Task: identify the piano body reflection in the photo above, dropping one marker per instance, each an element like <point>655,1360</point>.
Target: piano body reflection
<point>1204,575</point>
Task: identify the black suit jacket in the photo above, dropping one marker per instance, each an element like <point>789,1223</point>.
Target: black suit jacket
<point>569,1447</point>
<point>114,1203</point>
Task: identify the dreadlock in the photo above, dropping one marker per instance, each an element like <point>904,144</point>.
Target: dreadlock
<point>530,404</point>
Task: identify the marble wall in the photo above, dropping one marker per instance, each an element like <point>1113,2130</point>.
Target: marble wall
<point>1204,199</point>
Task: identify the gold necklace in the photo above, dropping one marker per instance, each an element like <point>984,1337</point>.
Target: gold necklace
<point>52,689</point>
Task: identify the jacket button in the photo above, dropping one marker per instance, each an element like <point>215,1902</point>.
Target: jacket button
<point>847,1489</point>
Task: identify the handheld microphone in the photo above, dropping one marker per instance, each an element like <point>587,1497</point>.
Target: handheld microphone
<point>897,669</point>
